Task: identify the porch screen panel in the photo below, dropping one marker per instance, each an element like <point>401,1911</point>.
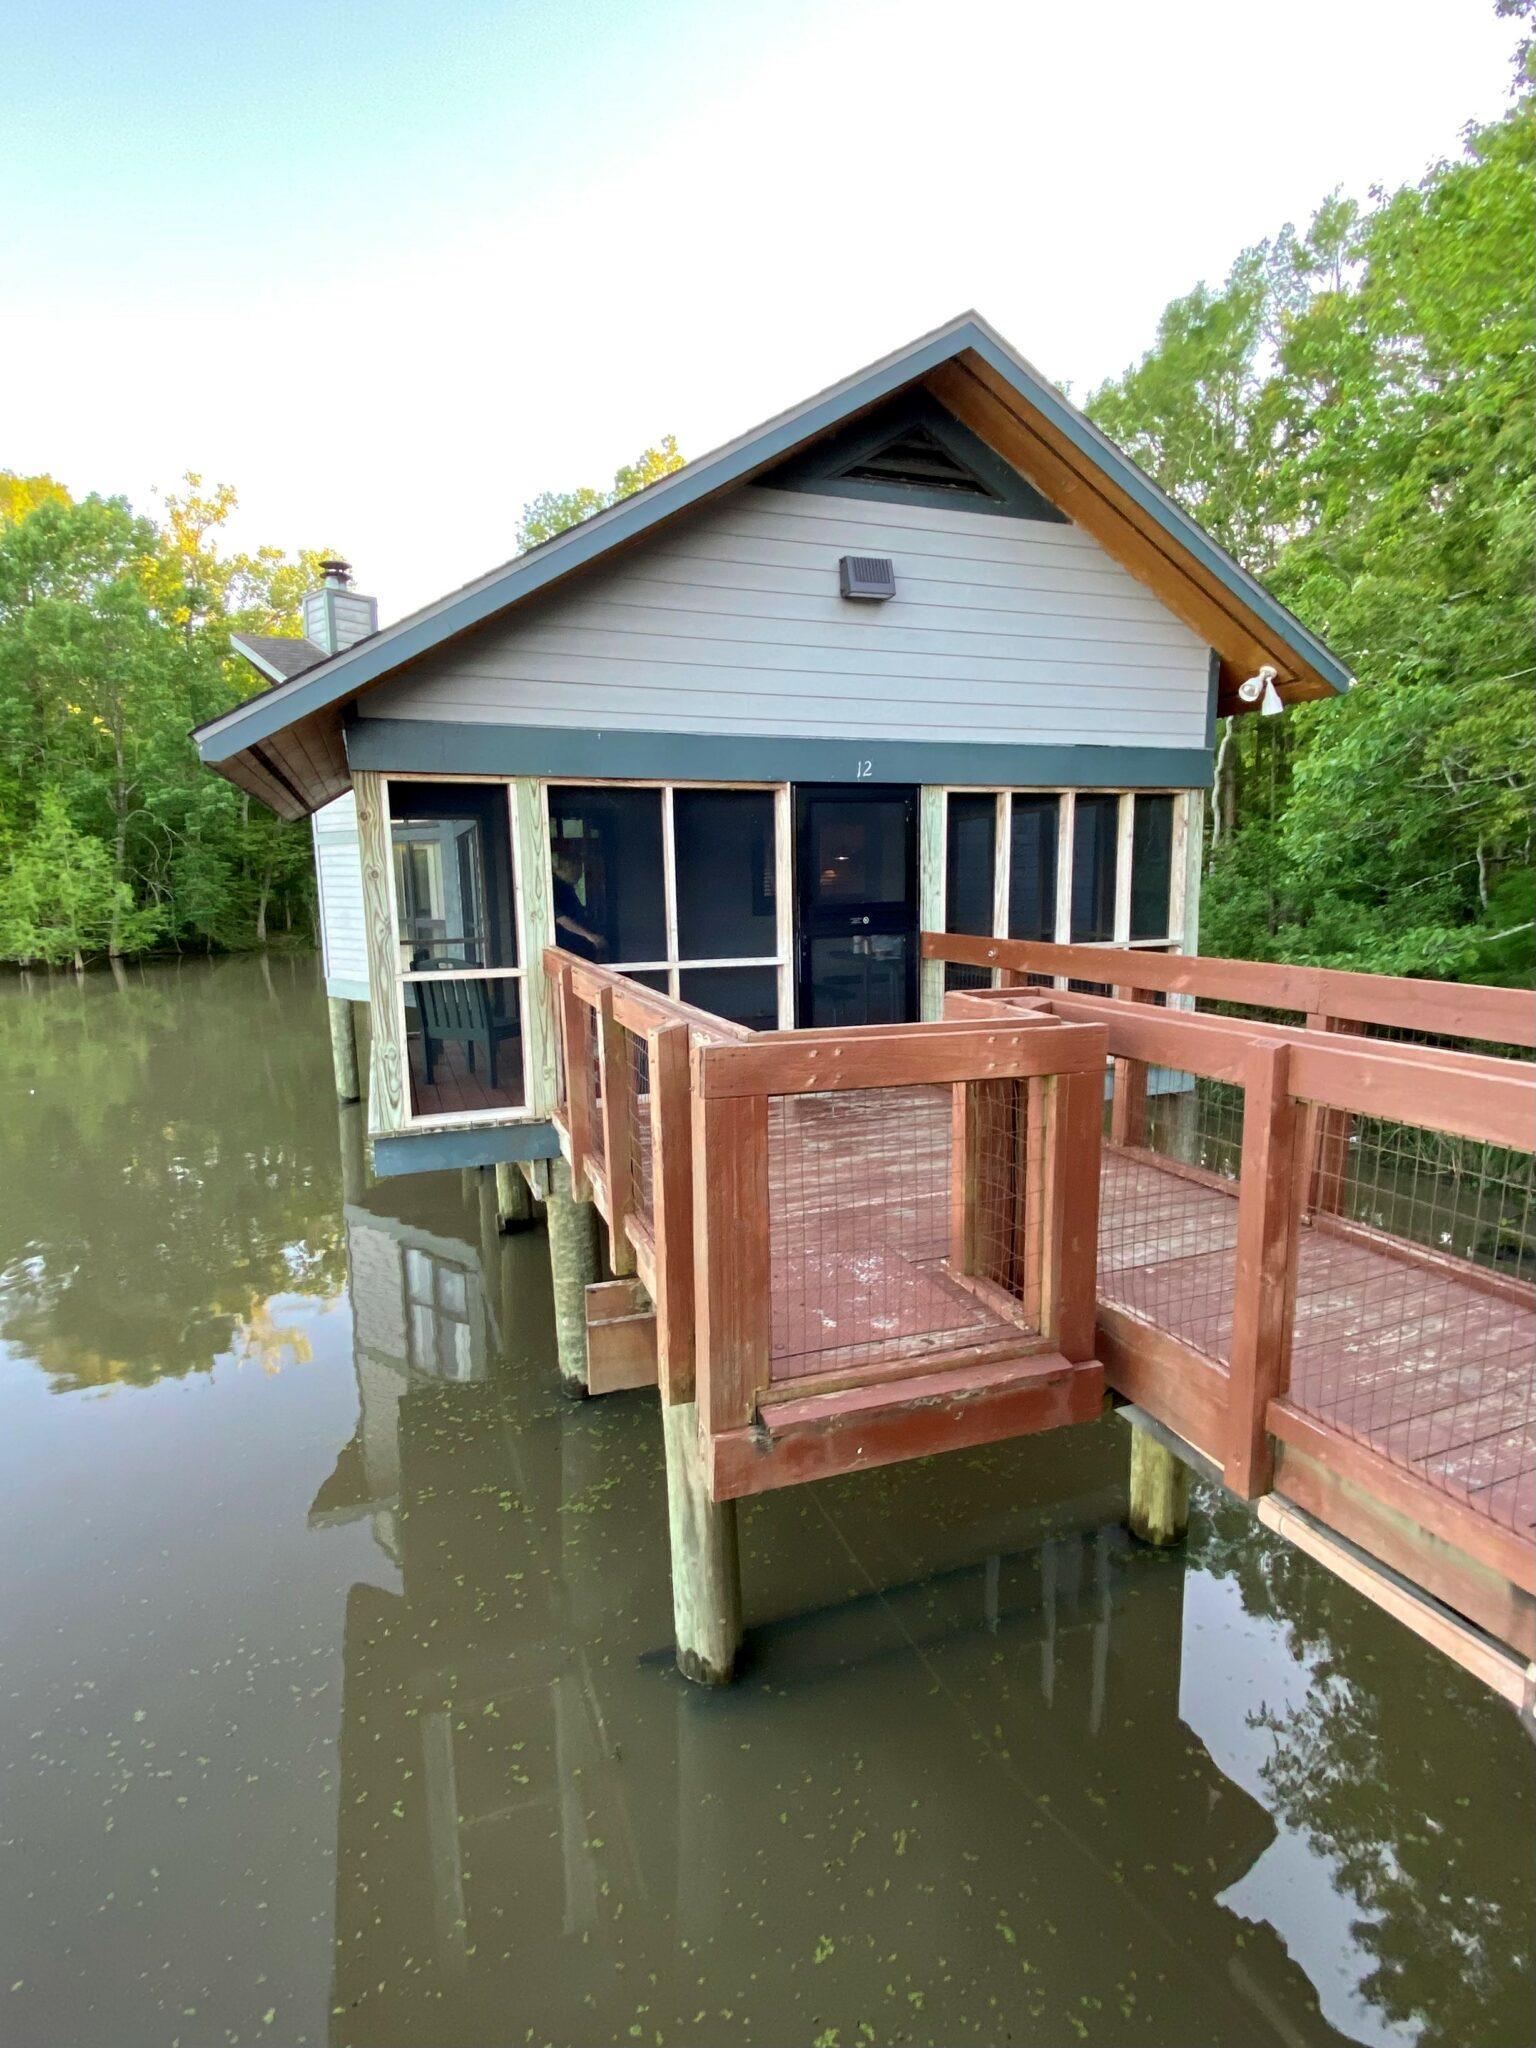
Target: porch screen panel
<point>1095,834</point>
<point>453,875</point>
<point>727,900</point>
<point>461,979</point>
<point>970,879</point>
<point>742,995</point>
<point>1151,866</point>
<point>1032,867</point>
<point>608,861</point>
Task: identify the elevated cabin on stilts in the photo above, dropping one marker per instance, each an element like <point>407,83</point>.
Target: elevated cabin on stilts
<point>672,836</point>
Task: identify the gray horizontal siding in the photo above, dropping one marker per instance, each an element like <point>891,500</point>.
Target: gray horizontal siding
<point>1003,630</point>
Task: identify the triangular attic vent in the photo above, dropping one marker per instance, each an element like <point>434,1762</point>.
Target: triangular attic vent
<point>915,461</point>
<point>911,449</point>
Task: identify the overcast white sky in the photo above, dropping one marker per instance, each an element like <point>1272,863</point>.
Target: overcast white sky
<point>391,269</point>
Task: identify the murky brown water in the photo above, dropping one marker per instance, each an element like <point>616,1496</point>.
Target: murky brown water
<point>337,1695</point>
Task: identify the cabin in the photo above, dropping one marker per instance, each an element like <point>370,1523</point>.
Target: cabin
<point>794,869</point>
<point>925,652</point>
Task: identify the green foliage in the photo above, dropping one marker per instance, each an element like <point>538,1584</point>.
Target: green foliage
<point>551,512</point>
<point>114,642</point>
<point>1352,414</point>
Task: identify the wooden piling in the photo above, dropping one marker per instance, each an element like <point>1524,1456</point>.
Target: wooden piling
<point>706,1570</point>
<point>573,1266</point>
<point>514,1198</point>
<point>343,1049</point>
<point>1159,1511</point>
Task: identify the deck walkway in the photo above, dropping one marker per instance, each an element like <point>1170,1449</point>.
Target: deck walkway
<point>1430,1367</point>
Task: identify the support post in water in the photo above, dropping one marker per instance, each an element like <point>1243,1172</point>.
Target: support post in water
<point>573,1266</point>
<point>514,1197</point>
<point>706,1570</point>
<point>1159,1491</point>
<point>344,1049</point>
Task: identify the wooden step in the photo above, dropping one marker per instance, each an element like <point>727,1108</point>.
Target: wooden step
<point>861,1427</point>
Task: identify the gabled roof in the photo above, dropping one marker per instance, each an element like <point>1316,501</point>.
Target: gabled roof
<point>982,382</point>
<point>279,658</point>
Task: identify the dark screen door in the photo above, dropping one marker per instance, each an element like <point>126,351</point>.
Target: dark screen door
<point>856,880</point>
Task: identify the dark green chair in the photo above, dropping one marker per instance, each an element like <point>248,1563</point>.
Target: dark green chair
<point>459,1013</point>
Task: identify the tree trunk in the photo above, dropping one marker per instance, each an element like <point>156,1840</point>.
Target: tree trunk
<point>119,842</point>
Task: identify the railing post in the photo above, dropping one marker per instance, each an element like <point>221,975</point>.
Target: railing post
<point>672,1209</point>
<point>732,1276</point>
<point>1327,1143</point>
<point>618,1108</point>
<point>580,1105</point>
<point>1074,1118</point>
<point>1268,1212</point>
<point>1128,1103</point>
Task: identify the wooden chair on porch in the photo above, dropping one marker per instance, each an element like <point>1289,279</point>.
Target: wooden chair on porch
<point>455,1012</point>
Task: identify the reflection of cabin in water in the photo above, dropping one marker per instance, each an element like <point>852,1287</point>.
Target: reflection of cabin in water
<point>522,1810</point>
<point>926,652</point>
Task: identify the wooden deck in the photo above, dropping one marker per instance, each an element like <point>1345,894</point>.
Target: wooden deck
<point>457,1091</point>
<point>859,1194</point>
<point>1308,1259</point>
<point>1428,1366</point>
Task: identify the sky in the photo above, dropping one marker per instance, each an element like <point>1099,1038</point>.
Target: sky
<point>392,268</point>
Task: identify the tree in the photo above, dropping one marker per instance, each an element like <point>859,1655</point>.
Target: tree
<point>114,642</point>
<point>60,900</point>
<point>551,512</point>
<point>1352,414</point>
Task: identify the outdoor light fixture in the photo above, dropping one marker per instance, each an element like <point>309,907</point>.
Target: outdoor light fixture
<point>871,579</point>
<point>1260,690</point>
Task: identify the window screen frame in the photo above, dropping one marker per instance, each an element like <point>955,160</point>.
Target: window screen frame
<point>1171,940</point>
<point>673,965</point>
<point>402,977</point>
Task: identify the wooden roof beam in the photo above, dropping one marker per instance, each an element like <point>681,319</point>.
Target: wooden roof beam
<point>974,394</point>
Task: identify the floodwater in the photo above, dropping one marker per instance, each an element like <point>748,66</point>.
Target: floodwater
<point>337,1696</point>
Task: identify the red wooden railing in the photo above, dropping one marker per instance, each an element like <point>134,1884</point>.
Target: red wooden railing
<point>1334,1294</point>
<point>861,1244</point>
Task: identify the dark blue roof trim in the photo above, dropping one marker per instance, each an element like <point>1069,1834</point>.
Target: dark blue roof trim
<point>428,746</point>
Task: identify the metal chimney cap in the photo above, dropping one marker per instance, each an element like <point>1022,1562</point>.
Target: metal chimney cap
<point>336,572</point>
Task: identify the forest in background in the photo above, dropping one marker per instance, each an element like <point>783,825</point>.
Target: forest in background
<point>1351,414</point>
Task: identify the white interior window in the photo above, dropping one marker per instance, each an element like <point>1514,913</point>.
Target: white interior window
<point>459,970</point>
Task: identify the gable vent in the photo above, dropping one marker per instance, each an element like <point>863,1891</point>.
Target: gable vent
<point>869,577</point>
<point>914,461</point>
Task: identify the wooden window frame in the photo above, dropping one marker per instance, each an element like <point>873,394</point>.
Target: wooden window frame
<point>782,959</point>
<point>1186,814</point>
<point>462,1119</point>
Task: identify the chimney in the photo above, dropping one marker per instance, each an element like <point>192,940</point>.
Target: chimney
<point>335,616</point>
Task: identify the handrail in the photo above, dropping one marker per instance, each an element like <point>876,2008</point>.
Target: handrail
<point>1493,1016</point>
<point>677,1123</point>
<point>1472,1095</point>
<point>638,1007</point>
